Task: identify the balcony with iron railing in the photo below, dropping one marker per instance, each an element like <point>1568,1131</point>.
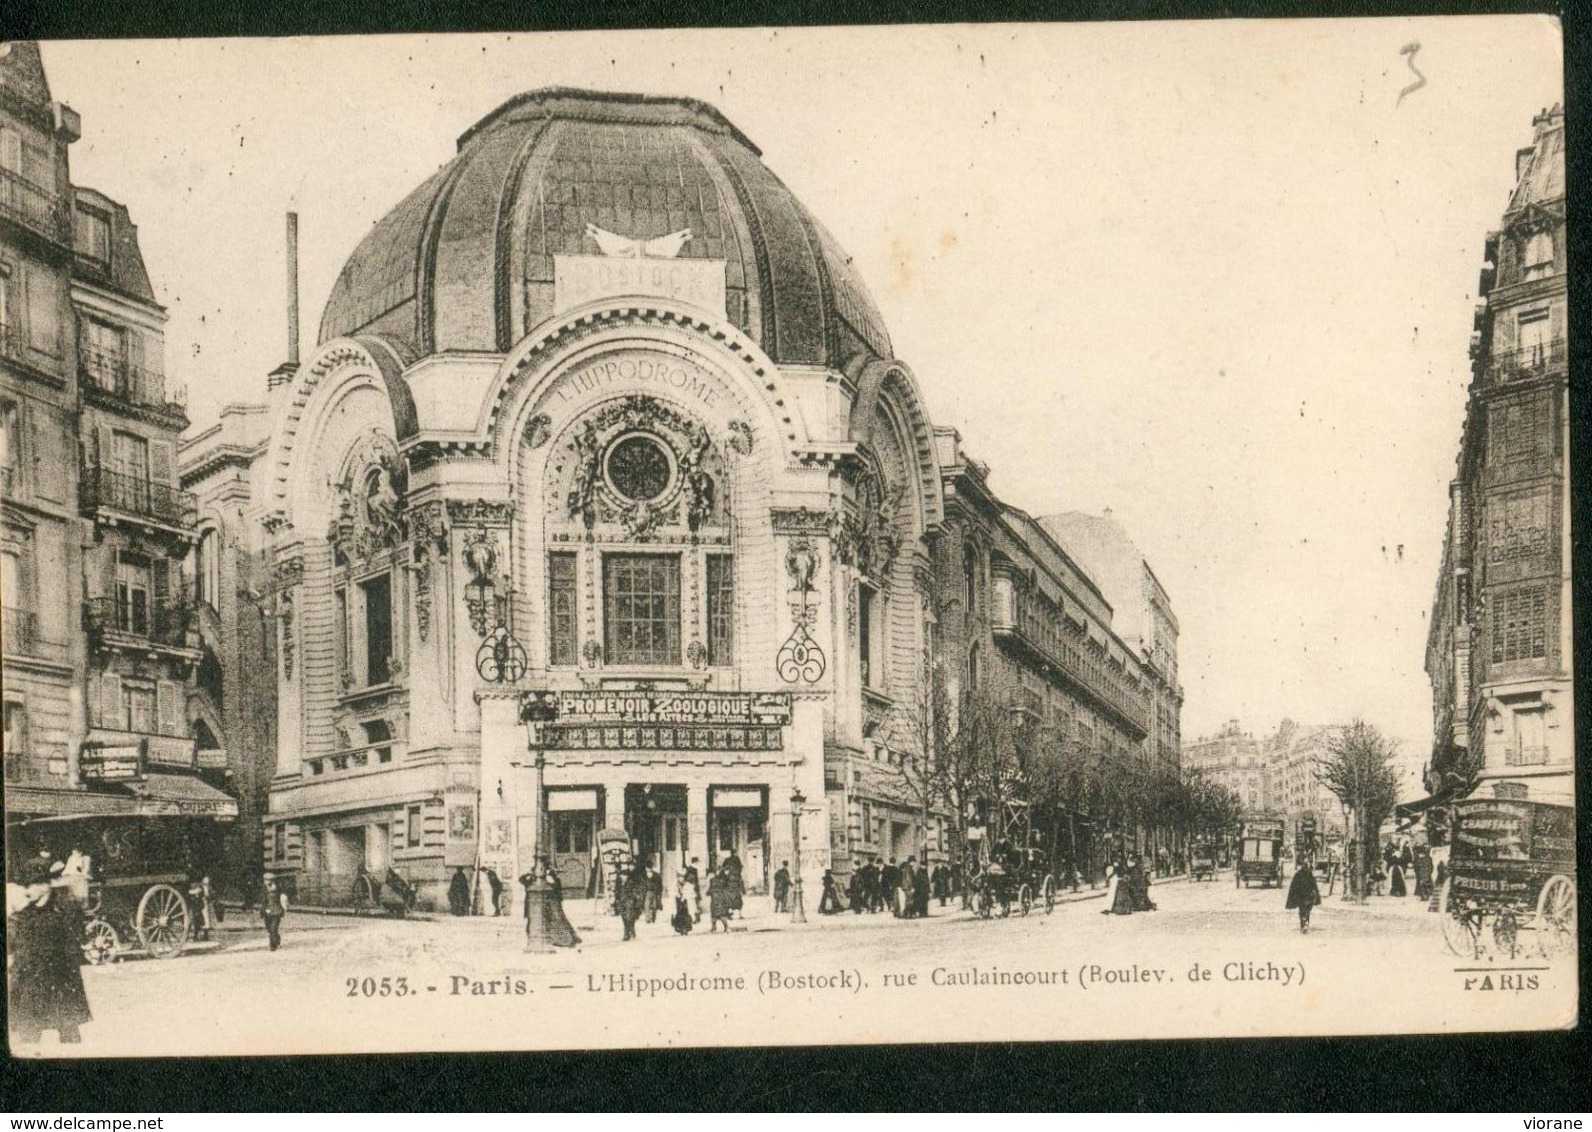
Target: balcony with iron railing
<point>1535,360</point>
<point>109,373</point>
<point>105,490</point>
<point>36,208</point>
<point>137,621</point>
<point>19,631</point>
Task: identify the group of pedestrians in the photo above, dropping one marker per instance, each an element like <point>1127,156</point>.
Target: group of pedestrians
<point>487,891</point>
<point>905,889</point>
<point>1127,888</point>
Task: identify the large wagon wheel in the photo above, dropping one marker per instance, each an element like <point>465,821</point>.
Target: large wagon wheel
<point>1461,930</point>
<point>1025,899</point>
<point>162,921</point>
<point>100,942</point>
<point>1556,917</point>
<point>1050,894</point>
<point>364,894</point>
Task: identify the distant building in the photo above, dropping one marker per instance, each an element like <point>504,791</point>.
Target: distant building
<point>1141,614</point>
<point>1236,759</point>
<point>1294,754</point>
<point>1022,625</point>
<point>1499,646</point>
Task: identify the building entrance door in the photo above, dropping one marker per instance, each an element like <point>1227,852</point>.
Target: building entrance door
<point>656,815</point>
<point>739,825</point>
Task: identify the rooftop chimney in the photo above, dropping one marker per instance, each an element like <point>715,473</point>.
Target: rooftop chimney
<point>283,373</point>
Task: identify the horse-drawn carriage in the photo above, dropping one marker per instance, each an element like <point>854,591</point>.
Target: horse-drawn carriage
<point>389,893</point>
<point>1202,861</point>
<point>1015,882</point>
<point>1259,852</point>
<point>1511,868</point>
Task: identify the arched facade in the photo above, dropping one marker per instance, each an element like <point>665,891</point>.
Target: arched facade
<point>648,577</point>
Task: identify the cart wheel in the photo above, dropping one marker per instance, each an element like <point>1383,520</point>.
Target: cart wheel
<point>1506,932</point>
<point>1050,894</point>
<point>100,943</point>
<point>162,921</point>
<point>1556,917</point>
<point>1025,899</point>
<point>364,895</point>
<point>1460,931</point>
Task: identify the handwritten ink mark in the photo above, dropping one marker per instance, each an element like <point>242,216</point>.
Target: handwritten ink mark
<point>1410,49</point>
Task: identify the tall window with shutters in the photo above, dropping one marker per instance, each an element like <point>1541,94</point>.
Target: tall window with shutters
<point>102,355</point>
<point>134,593</point>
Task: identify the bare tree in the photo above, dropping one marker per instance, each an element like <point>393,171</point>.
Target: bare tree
<point>1359,770</point>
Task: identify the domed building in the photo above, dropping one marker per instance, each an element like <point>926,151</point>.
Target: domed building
<point>598,519</point>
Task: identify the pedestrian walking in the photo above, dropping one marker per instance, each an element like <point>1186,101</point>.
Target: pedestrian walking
<point>782,887</point>
<point>693,880</point>
<point>905,894</point>
<point>654,897</point>
<point>273,907</point>
<point>719,906</point>
<point>682,921</point>
<point>729,880</point>
<point>855,889</point>
<point>556,928</point>
<point>940,883</point>
<point>459,893</point>
<point>633,898</point>
<point>1304,894</point>
<point>920,892</point>
<point>829,903</point>
<point>46,938</point>
<point>494,885</point>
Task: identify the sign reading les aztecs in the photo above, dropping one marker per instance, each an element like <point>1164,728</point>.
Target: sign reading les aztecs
<point>653,720</point>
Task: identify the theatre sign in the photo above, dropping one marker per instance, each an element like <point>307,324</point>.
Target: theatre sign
<point>662,720</point>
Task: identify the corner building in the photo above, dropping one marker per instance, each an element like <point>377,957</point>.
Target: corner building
<point>1499,650</point>
<point>601,448</point>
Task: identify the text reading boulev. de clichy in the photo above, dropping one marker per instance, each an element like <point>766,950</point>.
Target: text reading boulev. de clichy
<point>780,980</point>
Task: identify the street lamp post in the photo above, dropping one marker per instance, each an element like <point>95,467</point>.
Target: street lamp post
<point>798,912</point>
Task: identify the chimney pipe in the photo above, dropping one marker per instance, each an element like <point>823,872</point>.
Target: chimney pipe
<point>292,290</point>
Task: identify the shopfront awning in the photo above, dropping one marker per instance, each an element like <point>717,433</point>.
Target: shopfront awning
<point>176,795</point>
<point>1408,810</point>
<point>157,796</point>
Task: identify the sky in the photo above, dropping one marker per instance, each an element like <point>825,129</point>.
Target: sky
<point>1218,277</point>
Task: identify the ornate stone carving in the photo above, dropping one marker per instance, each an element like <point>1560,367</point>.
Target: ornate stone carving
<point>592,653</point>
<point>479,513</point>
<point>866,536</point>
<point>369,501</point>
<point>538,429</point>
<point>481,559</point>
<point>809,521</point>
<point>288,572</point>
<point>740,441</point>
<point>284,613</point>
<point>641,464</point>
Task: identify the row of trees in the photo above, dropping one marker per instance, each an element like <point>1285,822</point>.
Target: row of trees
<point>1080,801</point>
<point>986,756</point>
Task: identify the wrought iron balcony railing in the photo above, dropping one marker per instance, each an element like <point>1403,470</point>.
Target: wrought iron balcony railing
<point>133,495</point>
<point>161,623</point>
<point>34,207</point>
<point>1528,361</point>
<point>108,372</point>
<point>19,631</point>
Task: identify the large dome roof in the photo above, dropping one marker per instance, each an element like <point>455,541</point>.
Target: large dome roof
<point>466,260</point>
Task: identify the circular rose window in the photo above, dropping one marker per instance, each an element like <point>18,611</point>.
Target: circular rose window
<point>639,468</point>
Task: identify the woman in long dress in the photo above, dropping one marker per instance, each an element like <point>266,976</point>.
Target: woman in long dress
<point>46,938</point>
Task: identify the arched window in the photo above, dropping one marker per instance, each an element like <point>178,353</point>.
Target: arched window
<point>969,576</point>
<point>972,669</point>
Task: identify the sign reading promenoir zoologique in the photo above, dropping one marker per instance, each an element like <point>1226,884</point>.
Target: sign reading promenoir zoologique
<point>664,720</point>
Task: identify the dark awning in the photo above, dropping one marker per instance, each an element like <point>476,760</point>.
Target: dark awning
<point>157,796</point>
<point>177,795</point>
<point>1410,809</point>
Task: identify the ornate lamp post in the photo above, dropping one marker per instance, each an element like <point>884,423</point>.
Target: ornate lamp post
<point>798,912</point>
<point>539,896</point>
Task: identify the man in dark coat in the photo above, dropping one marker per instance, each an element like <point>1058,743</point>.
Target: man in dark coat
<point>273,907</point>
<point>939,884</point>
<point>633,898</point>
<point>889,881</point>
<point>1304,894</point>
<point>459,892</point>
<point>735,888</point>
<point>494,884</point>
<point>46,937</point>
<point>654,894</point>
<point>782,886</point>
<point>921,892</point>
<point>905,892</point>
<point>855,889</point>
